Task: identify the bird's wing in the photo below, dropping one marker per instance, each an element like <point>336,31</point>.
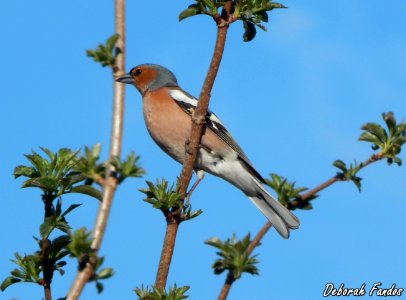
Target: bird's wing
<point>188,104</point>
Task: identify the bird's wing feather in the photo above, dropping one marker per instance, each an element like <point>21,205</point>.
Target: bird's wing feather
<point>188,104</point>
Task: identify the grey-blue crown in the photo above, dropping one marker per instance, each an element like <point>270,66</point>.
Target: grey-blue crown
<point>164,77</point>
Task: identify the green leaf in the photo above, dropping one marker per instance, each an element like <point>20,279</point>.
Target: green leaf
<point>58,244</point>
<point>249,31</point>
<point>340,164</point>
<point>99,287</point>
<point>70,208</point>
<point>272,5</point>
<point>47,184</point>
<point>25,171</point>
<point>38,162</point>
<point>192,10</point>
<point>210,5</point>
<point>105,273</point>
<point>375,130</point>
<point>9,281</point>
<point>263,16</point>
<point>47,226</point>
<point>390,121</point>
<point>111,41</point>
<point>88,190</point>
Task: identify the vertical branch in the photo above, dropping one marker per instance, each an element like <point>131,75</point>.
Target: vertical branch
<point>110,183</point>
<point>192,145</point>
<point>47,265</point>
<point>167,252</point>
<point>47,269</point>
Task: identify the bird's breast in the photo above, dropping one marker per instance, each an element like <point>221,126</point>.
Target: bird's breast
<point>169,126</point>
<point>167,123</point>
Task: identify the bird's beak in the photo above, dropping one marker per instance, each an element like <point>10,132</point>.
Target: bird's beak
<point>126,78</point>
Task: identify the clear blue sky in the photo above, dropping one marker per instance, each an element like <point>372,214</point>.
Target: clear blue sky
<point>294,98</point>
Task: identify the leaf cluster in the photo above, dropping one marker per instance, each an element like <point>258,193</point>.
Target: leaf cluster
<point>168,199</point>
<point>30,267</point>
<point>89,165</point>
<point>56,220</point>
<point>389,141</point>
<point>57,174</point>
<point>80,246</point>
<point>153,293</point>
<point>100,274</point>
<point>349,173</point>
<point>54,174</point>
<point>129,167</point>
<point>253,13</point>
<point>106,53</point>
<point>233,256</point>
<point>287,192</point>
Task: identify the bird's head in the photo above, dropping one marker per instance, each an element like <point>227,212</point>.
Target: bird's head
<point>149,77</point>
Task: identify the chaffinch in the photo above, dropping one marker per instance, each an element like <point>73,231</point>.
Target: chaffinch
<point>167,112</point>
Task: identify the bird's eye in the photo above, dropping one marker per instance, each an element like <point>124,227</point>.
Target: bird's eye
<point>137,72</point>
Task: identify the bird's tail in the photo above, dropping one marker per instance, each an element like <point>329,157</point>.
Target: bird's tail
<point>280,217</point>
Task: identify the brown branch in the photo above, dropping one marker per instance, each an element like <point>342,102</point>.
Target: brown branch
<point>254,243</point>
<point>167,252</point>
<point>192,145</point>
<point>226,287</point>
<point>257,239</point>
<point>304,198</point>
<point>297,203</point>
<point>47,264</point>
<point>47,269</point>
<point>110,184</point>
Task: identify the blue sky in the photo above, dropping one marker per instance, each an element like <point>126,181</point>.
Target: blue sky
<point>294,99</point>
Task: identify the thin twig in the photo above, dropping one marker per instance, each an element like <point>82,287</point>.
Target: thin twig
<point>191,147</point>
<point>257,239</point>
<point>110,184</point>
<point>301,201</point>
<point>338,177</point>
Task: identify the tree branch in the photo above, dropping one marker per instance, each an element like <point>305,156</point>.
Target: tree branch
<point>226,287</point>
<point>47,265</point>
<point>192,145</point>
<point>110,184</point>
<point>300,202</point>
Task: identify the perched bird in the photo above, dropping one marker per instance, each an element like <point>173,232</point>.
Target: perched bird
<point>167,112</point>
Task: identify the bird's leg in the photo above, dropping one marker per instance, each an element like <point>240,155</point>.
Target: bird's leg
<point>200,176</point>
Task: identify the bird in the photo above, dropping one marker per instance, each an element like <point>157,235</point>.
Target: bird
<point>168,110</point>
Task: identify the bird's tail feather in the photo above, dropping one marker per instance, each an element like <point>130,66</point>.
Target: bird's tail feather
<point>280,217</point>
